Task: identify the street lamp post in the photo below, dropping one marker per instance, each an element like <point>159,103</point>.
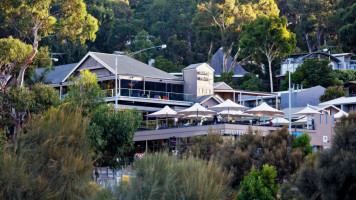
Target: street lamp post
<point>162,46</point>
<point>290,99</point>
<point>116,86</point>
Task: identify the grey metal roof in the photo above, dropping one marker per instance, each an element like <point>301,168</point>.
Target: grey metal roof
<point>130,66</point>
<point>217,62</point>
<point>203,98</point>
<point>193,66</point>
<point>58,74</point>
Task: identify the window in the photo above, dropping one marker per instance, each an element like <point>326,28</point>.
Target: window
<point>320,118</point>
<point>201,90</point>
<point>325,138</point>
<point>326,119</point>
<point>207,91</point>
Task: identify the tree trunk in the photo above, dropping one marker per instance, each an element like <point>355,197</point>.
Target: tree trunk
<point>28,61</point>
<point>189,38</point>
<point>310,48</point>
<point>234,60</point>
<point>270,73</point>
<point>225,59</point>
<point>319,33</point>
<point>210,50</point>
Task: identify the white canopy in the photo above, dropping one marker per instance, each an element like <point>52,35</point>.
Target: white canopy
<point>301,121</point>
<point>340,114</point>
<point>199,116</point>
<point>279,121</point>
<point>165,113</point>
<point>307,111</point>
<point>264,109</point>
<point>229,105</point>
<point>197,109</point>
<point>234,113</point>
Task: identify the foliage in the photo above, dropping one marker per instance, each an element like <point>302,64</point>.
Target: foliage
<point>252,83</point>
<point>52,161</point>
<point>329,174</point>
<point>332,92</point>
<point>228,17</point>
<point>111,134</point>
<point>14,51</point>
<point>204,147</point>
<point>345,75</point>
<point>313,72</point>
<point>227,78</point>
<point>165,177</point>
<point>166,65</point>
<point>303,142</point>
<point>313,24</point>
<point>252,150</point>
<point>3,141</point>
<point>259,184</point>
<point>269,36</point>
<point>44,96</point>
<point>346,15</point>
<point>85,92</point>
<point>36,20</point>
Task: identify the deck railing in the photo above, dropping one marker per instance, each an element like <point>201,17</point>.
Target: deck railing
<point>150,94</point>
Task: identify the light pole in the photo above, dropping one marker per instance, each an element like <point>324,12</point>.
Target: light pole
<point>290,99</point>
<point>162,46</point>
<point>116,86</point>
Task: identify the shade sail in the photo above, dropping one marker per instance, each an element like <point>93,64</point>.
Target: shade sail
<point>229,105</point>
<point>238,113</point>
<point>340,114</point>
<point>165,113</point>
<point>197,109</point>
<point>264,109</point>
<point>307,111</point>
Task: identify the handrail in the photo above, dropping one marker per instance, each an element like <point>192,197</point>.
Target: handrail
<point>151,94</point>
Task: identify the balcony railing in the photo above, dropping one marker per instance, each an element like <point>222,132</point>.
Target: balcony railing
<point>150,94</point>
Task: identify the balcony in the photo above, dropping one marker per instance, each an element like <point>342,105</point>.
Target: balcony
<point>150,94</point>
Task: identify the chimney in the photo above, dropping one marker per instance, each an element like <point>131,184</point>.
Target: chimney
<point>297,87</point>
<point>293,87</point>
<point>151,62</point>
<point>301,86</point>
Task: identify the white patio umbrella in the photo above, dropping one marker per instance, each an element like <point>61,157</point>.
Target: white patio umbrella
<point>340,114</point>
<point>280,120</point>
<point>307,111</point>
<point>165,112</point>
<point>198,110</point>
<point>229,106</point>
<point>238,113</point>
<point>265,110</point>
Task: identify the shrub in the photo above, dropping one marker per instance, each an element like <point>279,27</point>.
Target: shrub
<point>303,142</point>
<point>332,92</point>
<point>166,177</point>
<point>52,161</point>
<point>259,184</point>
<point>330,174</point>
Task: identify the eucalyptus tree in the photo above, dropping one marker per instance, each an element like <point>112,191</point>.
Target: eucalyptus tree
<point>36,20</point>
<point>228,18</point>
<point>269,36</point>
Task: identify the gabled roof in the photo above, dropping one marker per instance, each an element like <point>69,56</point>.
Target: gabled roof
<point>222,85</point>
<point>206,98</point>
<point>217,62</point>
<point>126,66</point>
<point>195,66</point>
<point>57,74</point>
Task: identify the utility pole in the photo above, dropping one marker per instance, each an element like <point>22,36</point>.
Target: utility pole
<point>290,100</point>
<point>116,86</point>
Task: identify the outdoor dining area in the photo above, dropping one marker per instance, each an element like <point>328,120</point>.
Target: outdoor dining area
<point>226,112</point>
<point>232,113</point>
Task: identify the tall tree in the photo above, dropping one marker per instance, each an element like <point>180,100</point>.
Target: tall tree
<point>346,16</point>
<point>313,20</point>
<point>36,20</point>
<point>14,51</point>
<point>228,17</point>
<point>269,36</point>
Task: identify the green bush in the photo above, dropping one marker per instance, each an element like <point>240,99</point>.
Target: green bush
<point>166,177</point>
<point>332,92</point>
<point>303,142</point>
<point>51,161</point>
<point>259,184</point>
